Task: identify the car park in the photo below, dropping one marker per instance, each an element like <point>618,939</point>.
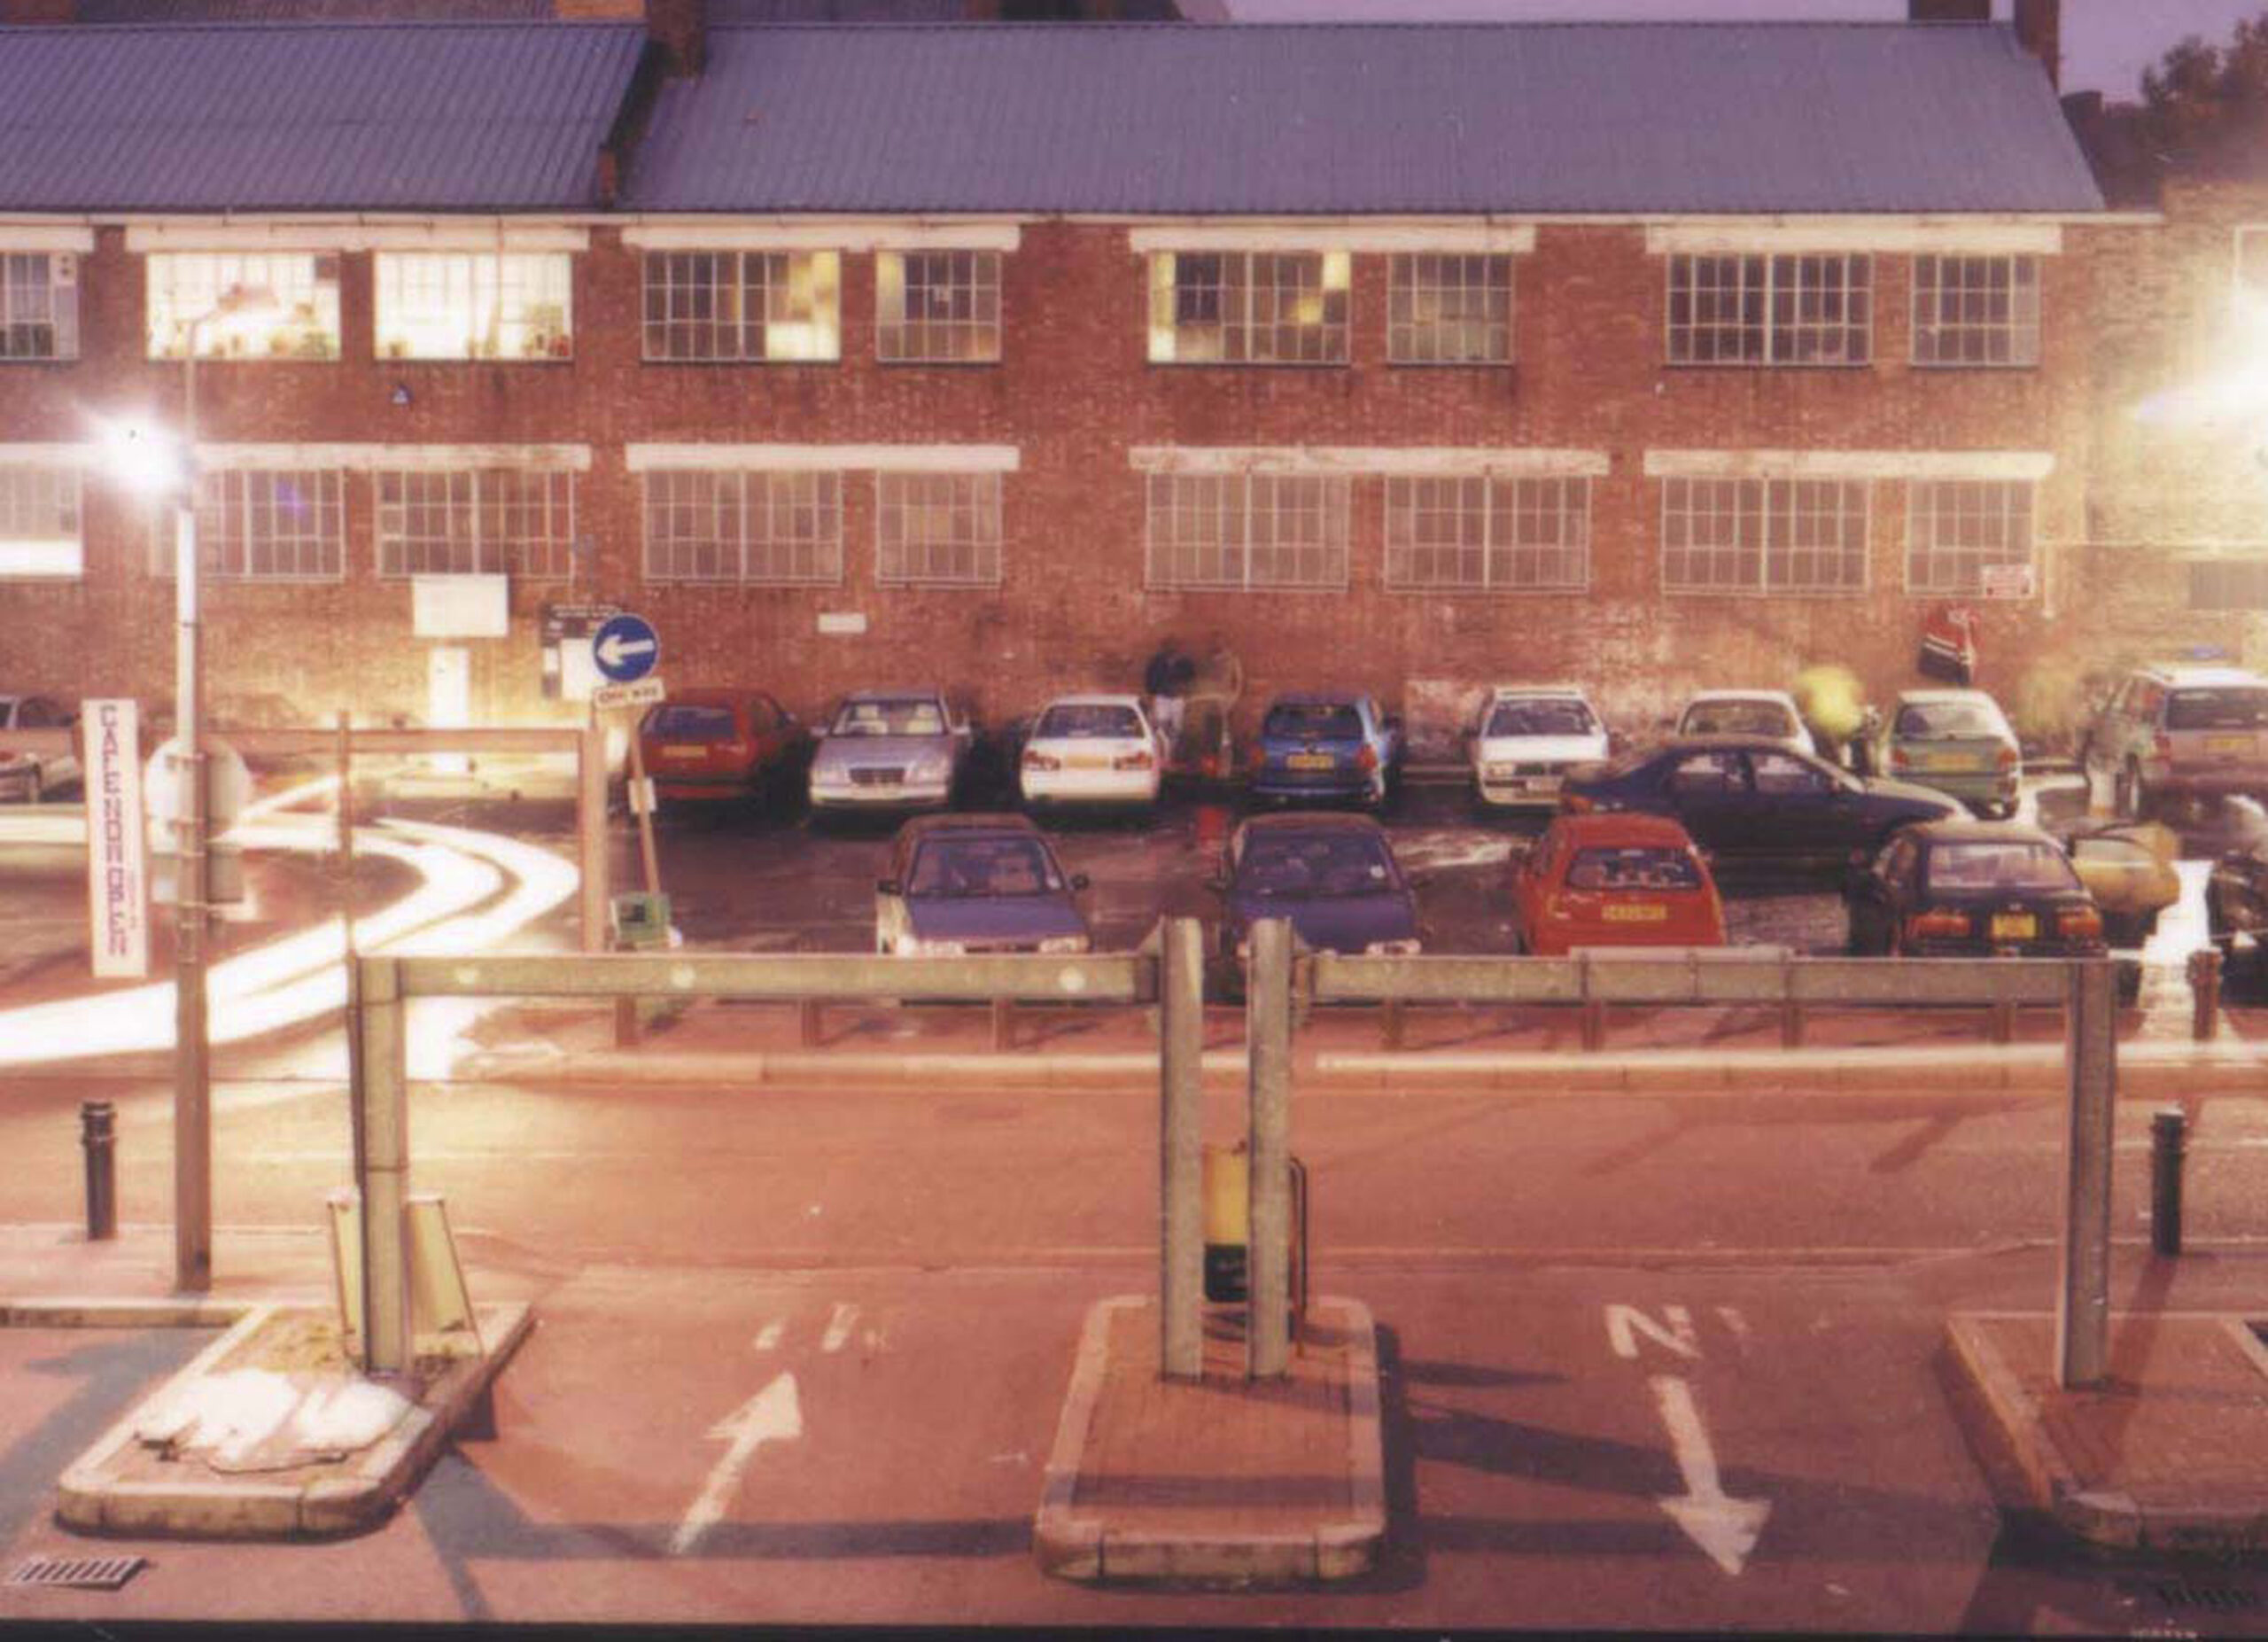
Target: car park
<point>2180,734</point>
<point>1091,750</point>
<point>1527,738</point>
<point>1973,888</point>
<point>1613,879</point>
<point>1334,876</point>
<point>959,884</point>
<point>890,750</point>
<point>1768,714</point>
<point>29,777</point>
<point>1957,741</point>
<point>1326,746</point>
<point>723,746</point>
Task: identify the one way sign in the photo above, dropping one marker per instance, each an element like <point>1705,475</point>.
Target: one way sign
<point>625,648</point>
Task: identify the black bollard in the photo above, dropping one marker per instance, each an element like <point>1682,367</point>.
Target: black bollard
<point>98,1139</point>
<point>2168,1130</point>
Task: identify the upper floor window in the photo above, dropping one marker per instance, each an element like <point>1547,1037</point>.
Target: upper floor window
<point>1770,310</point>
<point>39,521</point>
<point>475,304</point>
<point>185,290</point>
<point>1956,529</point>
<point>1248,531</point>
<point>703,525</point>
<point>1501,535</point>
<point>743,304</point>
<point>38,304</point>
<point>938,528</point>
<point>1448,309</point>
<point>262,525</point>
<point>1249,308</point>
<point>477,521</point>
<point>2228,584</point>
<point>1756,535</point>
<point>937,307</point>
<point>1981,310</point>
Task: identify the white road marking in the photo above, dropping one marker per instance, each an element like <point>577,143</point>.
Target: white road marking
<point>1730,1316</point>
<point>1721,1526</point>
<point>1626,1323</point>
<point>772,1415</point>
<point>768,1337</point>
<point>838,1328</point>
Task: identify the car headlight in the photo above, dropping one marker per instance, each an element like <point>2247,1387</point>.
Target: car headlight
<point>1058,944</point>
<point>930,767</point>
<point>1244,948</point>
<point>1407,948</point>
<point>909,945</point>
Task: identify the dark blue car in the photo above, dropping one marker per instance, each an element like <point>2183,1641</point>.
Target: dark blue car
<point>1334,876</point>
<point>1326,746</point>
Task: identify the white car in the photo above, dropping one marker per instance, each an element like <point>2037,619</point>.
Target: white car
<point>1527,738</point>
<point>31,776</point>
<point>1092,750</point>
<point>1769,714</point>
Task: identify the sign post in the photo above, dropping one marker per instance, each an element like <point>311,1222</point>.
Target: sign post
<point>625,649</point>
<point>117,870</point>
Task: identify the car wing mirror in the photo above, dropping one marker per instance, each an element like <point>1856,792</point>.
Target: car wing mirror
<point>889,886</point>
<point>1080,881</point>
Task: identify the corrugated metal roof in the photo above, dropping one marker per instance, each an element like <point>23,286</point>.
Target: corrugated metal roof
<point>1363,118</point>
<point>323,117</point>
<point>146,13</point>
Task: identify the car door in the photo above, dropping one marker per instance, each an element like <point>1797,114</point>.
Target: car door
<point>1706,789</point>
<point>1528,888</point>
<point>1879,897</point>
<point>1797,806</point>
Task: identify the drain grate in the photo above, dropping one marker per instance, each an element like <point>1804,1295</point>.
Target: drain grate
<point>79,1573</point>
<point>2212,1599</point>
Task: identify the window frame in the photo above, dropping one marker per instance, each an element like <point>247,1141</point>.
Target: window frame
<point>1503,496</point>
<point>1402,268</point>
<point>491,309</point>
<point>1778,336</point>
<point>985,300</point>
<point>61,277</point>
<point>753,334</point>
<point>1233,509</point>
<point>1919,493</point>
<point>68,542</point>
<point>306,282</point>
<point>825,544</point>
<point>2234,572</point>
<point>1778,510</point>
<point>985,505</point>
<point>511,552</point>
<point>225,510</point>
<point>2021,329</point>
<point>1239,298</point>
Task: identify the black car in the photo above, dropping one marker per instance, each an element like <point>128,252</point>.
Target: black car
<point>1974,890</point>
<point>976,884</point>
<point>2236,908</point>
<point>1748,796</point>
<point>1334,876</point>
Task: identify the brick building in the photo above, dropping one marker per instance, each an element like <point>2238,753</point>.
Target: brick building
<point>1412,357</point>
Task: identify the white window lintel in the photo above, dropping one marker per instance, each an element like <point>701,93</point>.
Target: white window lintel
<point>51,237</point>
<point>825,458</point>
<point>850,234</point>
<point>1825,235</point>
<point>1464,235</point>
<point>1853,464</point>
<point>497,233</point>
<point>396,458</point>
<point>84,455</point>
<point>1417,461</point>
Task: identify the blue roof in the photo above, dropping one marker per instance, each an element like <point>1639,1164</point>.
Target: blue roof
<point>330,117</point>
<point>1310,119</point>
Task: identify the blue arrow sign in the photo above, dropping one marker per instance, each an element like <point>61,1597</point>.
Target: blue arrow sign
<point>625,648</point>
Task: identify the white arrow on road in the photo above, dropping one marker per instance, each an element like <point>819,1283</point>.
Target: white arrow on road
<point>614,648</point>
<point>772,1415</point>
<point>1723,1526</point>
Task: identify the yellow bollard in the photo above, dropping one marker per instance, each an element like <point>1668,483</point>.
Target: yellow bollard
<point>1228,1221</point>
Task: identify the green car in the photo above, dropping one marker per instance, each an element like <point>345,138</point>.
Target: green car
<point>1956,741</point>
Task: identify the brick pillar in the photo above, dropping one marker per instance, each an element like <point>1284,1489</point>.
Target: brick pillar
<point>681,29</point>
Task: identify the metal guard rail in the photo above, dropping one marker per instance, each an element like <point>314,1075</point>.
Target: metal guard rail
<point>1696,975</point>
<point>1094,977</point>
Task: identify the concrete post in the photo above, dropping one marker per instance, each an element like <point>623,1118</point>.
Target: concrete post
<point>382,1174</point>
<point>1268,1031</point>
<point>1181,1210</point>
<point>590,832</point>
<point>2083,1300</point>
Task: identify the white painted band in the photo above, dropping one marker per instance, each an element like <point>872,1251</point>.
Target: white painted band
<point>1981,464</point>
<point>397,458</point>
<point>46,237</point>
<point>461,234</point>
<point>826,458</point>
<point>1957,236</point>
<point>1361,234</point>
<point>1417,461</point>
<point>834,234</point>
<point>48,455</point>
<point>41,558</point>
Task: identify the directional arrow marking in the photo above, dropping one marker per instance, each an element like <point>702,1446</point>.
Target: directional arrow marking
<point>1723,1526</point>
<point>614,648</point>
<point>772,1415</point>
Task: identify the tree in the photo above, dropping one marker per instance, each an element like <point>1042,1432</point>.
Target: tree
<point>2198,96</point>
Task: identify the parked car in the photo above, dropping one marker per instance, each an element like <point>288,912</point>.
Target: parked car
<point>1972,889</point>
<point>1957,741</point>
<point>890,750</point>
<point>2236,908</point>
<point>1613,879</point>
<point>1753,797</point>
<point>719,746</point>
<point>1092,750</point>
<point>2128,867</point>
<point>30,777</point>
<point>1334,876</point>
<point>1324,745</point>
<point>1770,714</point>
<point>2188,733</point>
<point>976,884</point>
<point>1529,735</point>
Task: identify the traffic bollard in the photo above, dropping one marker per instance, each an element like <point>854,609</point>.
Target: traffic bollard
<point>2205,993</point>
<point>2168,1146</point>
<point>98,1138</point>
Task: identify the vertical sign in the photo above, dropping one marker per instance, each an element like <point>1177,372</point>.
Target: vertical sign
<point>117,883</point>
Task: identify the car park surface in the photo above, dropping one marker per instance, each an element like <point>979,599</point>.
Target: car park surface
<point>1613,879</point>
<point>1528,736</point>
<point>1974,890</point>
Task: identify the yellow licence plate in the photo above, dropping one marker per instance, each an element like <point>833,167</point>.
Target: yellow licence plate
<point>2015,926</point>
<point>2228,743</point>
<point>1634,912</point>
<point>1953,761</point>
<point>1309,761</point>
<point>685,752</point>
<point>1087,761</point>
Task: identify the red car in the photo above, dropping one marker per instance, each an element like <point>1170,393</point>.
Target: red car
<point>708,746</point>
<point>1617,878</point>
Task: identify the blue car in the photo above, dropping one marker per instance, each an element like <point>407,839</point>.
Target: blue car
<point>1326,746</point>
<point>1335,879</point>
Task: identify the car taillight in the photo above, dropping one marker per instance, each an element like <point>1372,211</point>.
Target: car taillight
<point>1576,804</point>
<point>2161,745</point>
<point>1899,757</point>
<point>1937,926</point>
<point>2084,924</point>
<point>2008,758</point>
<point>1132,761</point>
<point>1367,759</point>
<point>1035,759</point>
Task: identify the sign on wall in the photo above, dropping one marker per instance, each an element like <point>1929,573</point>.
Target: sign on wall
<point>117,872</point>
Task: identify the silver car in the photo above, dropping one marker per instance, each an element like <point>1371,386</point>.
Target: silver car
<point>890,750</point>
<point>31,776</point>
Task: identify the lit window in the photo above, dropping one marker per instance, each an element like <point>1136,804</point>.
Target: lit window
<point>475,304</point>
<point>1976,310</point>
<point>477,521</point>
<point>1249,308</point>
<point>937,527</point>
<point>743,304</point>
<point>1753,535</point>
<point>1775,310</point>
<point>1449,310</point>
<point>39,521</point>
<point>937,307</point>
<point>1247,531</point>
<point>38,304</point>
<point>2228,584</point>
<point>262,525</point>
<point>188,287</point>
<point>747,527</point>
<point>1488,536</point>
<point>1957,529</point>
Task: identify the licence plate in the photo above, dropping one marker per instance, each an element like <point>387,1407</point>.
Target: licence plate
<point>2015,926</point>
<point>1953,761</point>
<point>1309,761</point>
<point>1087,761</point>
<point>2228,743</point>
<point>685,752</point>
<point>1635,912</point>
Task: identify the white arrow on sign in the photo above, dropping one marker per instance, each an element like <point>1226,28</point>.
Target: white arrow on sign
<point>772,1415</point>
<point>1723,1526</point>
<point>614,650</point>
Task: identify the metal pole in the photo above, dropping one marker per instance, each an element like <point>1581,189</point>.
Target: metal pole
<point>1181,1209</point>
<point>98,1139</point>
<point>2204,993</point>
<point>2083,1300</point>
<point>347,836</point>
<point>590,831</point>
<point>192,1073</point>
<point>383,1182</point>
<point>2169,1144</point>
<point>1268,1032</point>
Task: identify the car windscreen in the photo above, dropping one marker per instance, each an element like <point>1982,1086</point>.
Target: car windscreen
<point>1737,718</point>
<point>2013,865</point>
<point>1541,718</point>
<point>1315,721</point>
<point>902,715</point>
<point>1089,721</point>
<point>957,868</point>
<point>1632,867</point>
<point>1942,720</point>
<point>2230,707</point>
<point>684,721</point>
<point>1301,865</point>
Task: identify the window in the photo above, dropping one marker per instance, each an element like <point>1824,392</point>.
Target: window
<point>1956,529</point>
<point>39,521</point>
<point>1753,535</point>
<point>937,307</point>
<point>1488,536</point>
<point>38,304</point>
<point>185,288</point>
<point>477,521</point>
<point>474,305</point>
<point>1976,310</point>
<point>1246,530</point>
<point>1449,310</point>
<point>743,304</point>
<point>1776,310</point>
<point>2228,584</point>
<point>937,527</point>
<point>749,527</point>
<point>1249,308</point>
<point>262,525</point>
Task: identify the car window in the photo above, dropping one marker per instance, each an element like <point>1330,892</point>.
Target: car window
<point>1737,718</point>
<point>2000,865</point>
<point>1932,721</point>
<point>1897,859</point>
<point>680,720</point>
<point>2229,707</point>
<point>955,868</point>
<point>31,714</point>
<point>1315,864</point>
<point>902,715</point>
<point>1541,718</point>
<point>1779,775</point>
<point>1704,773</point>
<point>1089,721</point>
<point>1633,866</point>
<point>1328,721</point>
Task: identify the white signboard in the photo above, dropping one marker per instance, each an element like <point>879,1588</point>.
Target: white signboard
<point>2006,581</point>
<point>117,874</point>
<point>640,693</point>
